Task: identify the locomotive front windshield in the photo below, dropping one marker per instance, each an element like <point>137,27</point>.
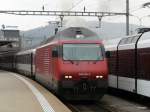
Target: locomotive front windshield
<point>82,52</point>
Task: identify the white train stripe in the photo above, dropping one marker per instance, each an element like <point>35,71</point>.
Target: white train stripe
<point>27,52</point>
<point>41,99</point>
<point>143,87</point>
<point>25,67</point>
<point>126,83</point>
<point>112,80</point>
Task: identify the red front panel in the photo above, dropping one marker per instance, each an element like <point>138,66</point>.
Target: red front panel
<point>56,68</point>
<point>79,69</point>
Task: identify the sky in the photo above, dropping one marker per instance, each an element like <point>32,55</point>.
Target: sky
<point>29,22</point>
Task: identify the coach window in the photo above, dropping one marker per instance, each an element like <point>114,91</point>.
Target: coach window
<point>24,59</point>
<point>127,41</point>
<point>135,38</point>
<point>19,60</point>
<point>145,36</point>
<point>123,41</point>
<point>130,40</point>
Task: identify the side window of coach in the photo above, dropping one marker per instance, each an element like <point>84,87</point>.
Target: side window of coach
<point>135,38</point>
<point>145,36</point>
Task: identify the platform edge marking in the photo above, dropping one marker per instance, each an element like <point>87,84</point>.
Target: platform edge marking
<point>41,99</point>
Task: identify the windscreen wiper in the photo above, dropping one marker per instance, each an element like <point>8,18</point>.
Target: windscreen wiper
<point>69,60</point>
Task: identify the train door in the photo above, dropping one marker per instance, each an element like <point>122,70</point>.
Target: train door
<point>112,69</point>
<point>143,63</point>
<point>126,65</point>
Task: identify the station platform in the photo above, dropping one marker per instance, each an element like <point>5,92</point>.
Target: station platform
<point>21,94</point>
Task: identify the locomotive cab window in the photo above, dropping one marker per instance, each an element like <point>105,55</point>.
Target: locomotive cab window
<point>55,52</point>
<point>82,52</point>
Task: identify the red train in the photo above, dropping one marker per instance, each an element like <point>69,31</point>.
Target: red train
<point>72,64</point>
<point>129,63</point>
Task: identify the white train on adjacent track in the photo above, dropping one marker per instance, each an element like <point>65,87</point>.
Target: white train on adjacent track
<point>129,63</point>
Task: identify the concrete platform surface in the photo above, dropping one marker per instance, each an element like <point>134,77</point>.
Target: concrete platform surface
<point>20,94</point>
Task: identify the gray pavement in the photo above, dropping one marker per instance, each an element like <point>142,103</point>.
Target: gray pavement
<point>16,96</point>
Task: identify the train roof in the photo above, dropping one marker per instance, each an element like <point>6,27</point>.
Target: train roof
<point>111,44</point>
<point>27,51</point>
<point>70,42</point>
<point>73,33</point>
<point>77,33</point>
<point>128,42</point>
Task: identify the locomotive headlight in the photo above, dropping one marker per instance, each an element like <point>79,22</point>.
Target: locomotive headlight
<point>68,77</point>
<point>99,77</point>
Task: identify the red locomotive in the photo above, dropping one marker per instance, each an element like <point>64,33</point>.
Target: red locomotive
<point>72,64</point>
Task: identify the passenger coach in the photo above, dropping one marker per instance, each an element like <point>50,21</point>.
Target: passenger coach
<point>129,63</point>
<point>25,62</point>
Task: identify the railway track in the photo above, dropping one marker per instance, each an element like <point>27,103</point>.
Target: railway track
<point>88,107</point>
